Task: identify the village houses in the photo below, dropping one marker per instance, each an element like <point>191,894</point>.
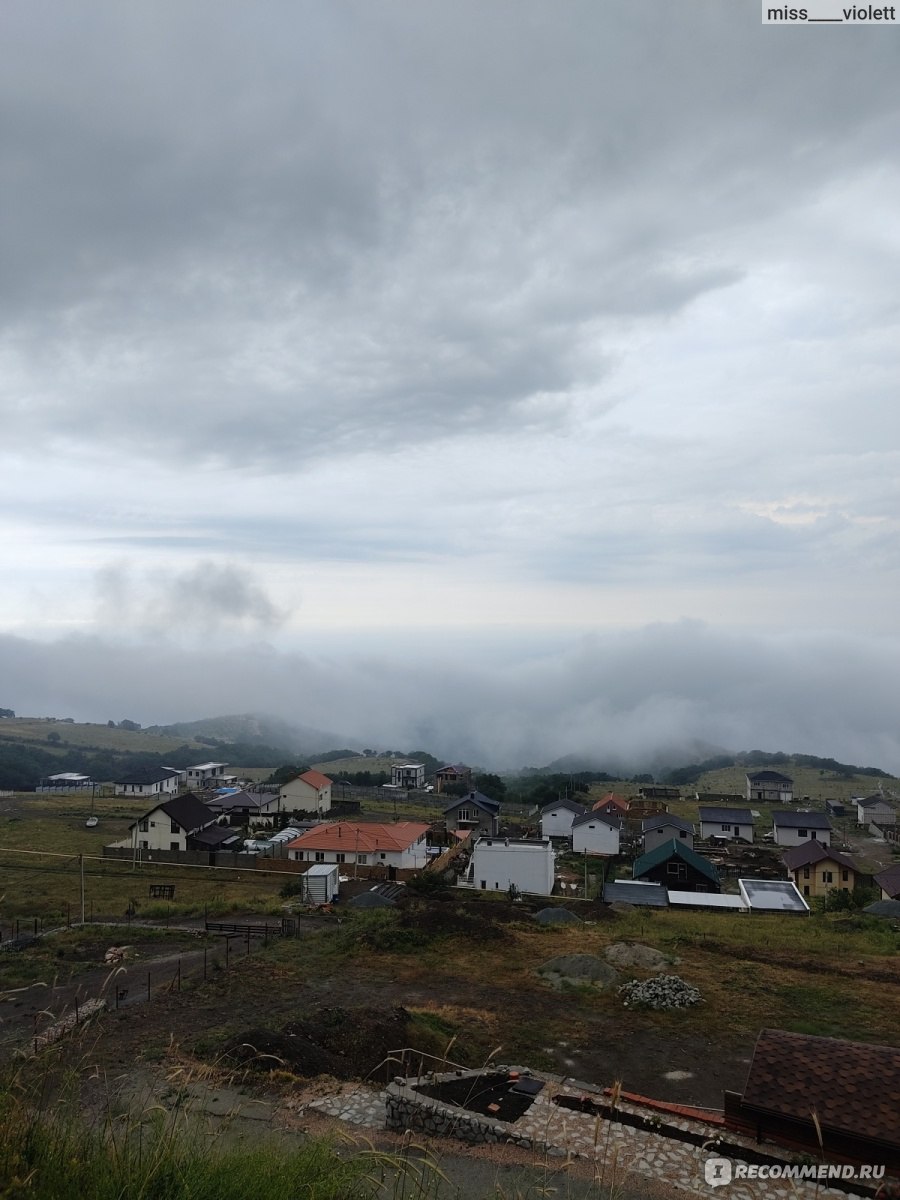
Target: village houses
<point>308,792</point>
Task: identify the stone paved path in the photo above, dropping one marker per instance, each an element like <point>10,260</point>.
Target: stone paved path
<point>620,1148</point>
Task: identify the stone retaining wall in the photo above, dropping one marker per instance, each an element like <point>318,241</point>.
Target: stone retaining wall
<point>408,1108</point>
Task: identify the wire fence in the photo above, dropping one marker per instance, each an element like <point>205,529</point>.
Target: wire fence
<point>48,1015</point>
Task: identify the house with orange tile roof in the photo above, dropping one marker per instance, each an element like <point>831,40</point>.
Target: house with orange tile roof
<point>309,792</point>
<point>611,805</point>
<point>362,848</point>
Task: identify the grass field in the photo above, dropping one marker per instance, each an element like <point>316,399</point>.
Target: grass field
<point>88,736</point>
<point>45,882</point>
<point>359,762</point>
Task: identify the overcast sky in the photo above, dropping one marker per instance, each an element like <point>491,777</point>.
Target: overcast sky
<point>434,368</point>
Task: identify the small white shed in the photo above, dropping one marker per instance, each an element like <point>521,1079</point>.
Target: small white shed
<point>320,883</point>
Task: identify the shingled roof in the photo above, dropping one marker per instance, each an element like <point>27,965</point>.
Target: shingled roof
<point>789,818</point>
<point>813,852</point>
<point>852,1087</point>
<point>479,800</point>
<point>187,811</point>
<point>725,816</point>
<point>889,881</point>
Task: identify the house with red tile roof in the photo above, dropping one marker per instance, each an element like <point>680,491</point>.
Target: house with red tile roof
<point>362,848</point>
<point>309,792</point>
<point>611,805</point>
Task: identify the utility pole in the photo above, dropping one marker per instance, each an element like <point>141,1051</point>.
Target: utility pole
<point>81,866</point>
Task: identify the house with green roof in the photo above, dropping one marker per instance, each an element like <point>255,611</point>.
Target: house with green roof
<point>675,865</point>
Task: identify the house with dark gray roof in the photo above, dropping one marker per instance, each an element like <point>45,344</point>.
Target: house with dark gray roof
<point>665,827</point>
<point>675,865</point>
<point>835,1098</point>
<point>474,812</point>
<point>875,809</point>
<point>726,823</point>
<point>770,787</point>
<point>794,828</point>
<point>169,825</point>
<point>245,808</point>
<point>889,882</point>
<point>557,818</point>
<point>148,781</point>
<point>596,833</point>
<point>816,869</point>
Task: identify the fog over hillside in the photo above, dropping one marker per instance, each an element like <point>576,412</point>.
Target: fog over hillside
<point>663,694</point>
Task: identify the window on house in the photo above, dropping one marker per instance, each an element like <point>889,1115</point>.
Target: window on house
<point>342,858</point>
<point>827,877</point>
<point>320,856</point>
<point>806,890</point>
<point>726,829</point>
<point>464,814</point>
<point>145,845</point>
<point>384,856</point>
<point>173,845</point>
<point>845,876</point>
<point>362,859</point>
<point>677,869</point>
<point>803,833</point>
<point>683,833</point>
<point>143,826</point>
<point>806,872</point>
<point>176,828</point>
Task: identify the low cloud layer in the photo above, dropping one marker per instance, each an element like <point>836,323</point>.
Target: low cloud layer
<point>208,598</point>
<point>659,695</point>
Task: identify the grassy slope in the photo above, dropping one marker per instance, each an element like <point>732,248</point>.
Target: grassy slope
<point>42,885</point>
<point>805,974</point>
<point>34,730</point>
<point>339,766</point>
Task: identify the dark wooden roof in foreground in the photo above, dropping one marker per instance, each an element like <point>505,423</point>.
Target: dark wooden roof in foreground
<point>852,1087</point>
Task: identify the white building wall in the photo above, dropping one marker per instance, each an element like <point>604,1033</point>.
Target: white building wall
<point>496,865</point>
<point>875,812</point>
<point>300,795</point>
<point>162,787</point>
<point>799,837</point>
<point>159,834</point>
<point>723,829</point>
<point>656,837</point>
<point>595,837</point>
<point>413,858</point>
<point>557,823</point>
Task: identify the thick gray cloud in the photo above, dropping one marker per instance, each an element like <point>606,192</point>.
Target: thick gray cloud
<point>657,695</point>
<point>252,241</point>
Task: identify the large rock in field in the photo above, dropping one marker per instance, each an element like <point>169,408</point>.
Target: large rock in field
<point>644,958</point>
<point>578,969</point>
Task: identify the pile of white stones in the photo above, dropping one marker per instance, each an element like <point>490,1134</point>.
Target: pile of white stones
<point>663,992</point>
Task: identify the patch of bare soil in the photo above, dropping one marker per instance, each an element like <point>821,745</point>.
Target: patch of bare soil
<point>346,1043</point>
